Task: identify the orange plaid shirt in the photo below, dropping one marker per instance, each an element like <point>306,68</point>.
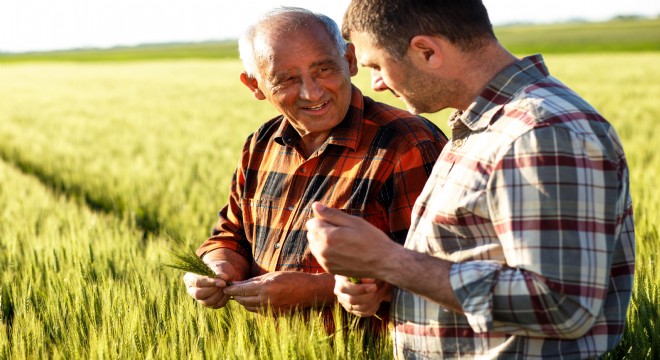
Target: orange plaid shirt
<point>374,165</point>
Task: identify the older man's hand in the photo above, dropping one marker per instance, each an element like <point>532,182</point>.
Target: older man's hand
<point>208,291</point>
<point>283,291</point>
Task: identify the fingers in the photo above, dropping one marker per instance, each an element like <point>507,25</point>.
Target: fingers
<point>222,269</point>
<point>216,300</point>
<point>200,281</point>
<point>246,293</point>
<point>330,215</point>
<point>242,288</point>
<point>359,299</point>
<point>363,309</point>
<point>207,291</point>
<point>212,297</point>
<point>345,286</point>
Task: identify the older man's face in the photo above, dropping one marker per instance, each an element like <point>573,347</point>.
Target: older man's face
<point>306,79</point>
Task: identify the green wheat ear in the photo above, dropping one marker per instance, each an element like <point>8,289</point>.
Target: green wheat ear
<point>183,257</point>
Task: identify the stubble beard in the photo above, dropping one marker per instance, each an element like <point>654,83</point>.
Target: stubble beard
<point>428,93</point>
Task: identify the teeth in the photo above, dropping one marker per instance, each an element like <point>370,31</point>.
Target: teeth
<point>316,107</point>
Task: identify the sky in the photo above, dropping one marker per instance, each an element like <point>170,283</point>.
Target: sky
<point>37,25</point>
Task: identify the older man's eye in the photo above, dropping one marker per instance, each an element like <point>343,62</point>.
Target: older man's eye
<point>282,80</point>
<point>290,79</point>
<point>325,71</point>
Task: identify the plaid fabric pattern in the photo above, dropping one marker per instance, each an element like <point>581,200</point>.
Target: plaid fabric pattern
<point>530,200</point>
<point>373,165</point>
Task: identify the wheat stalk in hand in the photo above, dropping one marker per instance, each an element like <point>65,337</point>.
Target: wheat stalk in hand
<point>182,257</point>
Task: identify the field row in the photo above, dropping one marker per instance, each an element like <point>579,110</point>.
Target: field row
<point>158,142</point>
<point>110,154</point>
<point>76,284</point>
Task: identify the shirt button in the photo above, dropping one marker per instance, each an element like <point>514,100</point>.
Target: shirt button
<point>302,170</point>
<point>290,208</point>
<point>277,245</point>
<point>458,143</point>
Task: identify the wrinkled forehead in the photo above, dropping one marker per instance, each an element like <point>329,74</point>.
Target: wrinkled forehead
<point>280,48</point>
<point>273,37</point>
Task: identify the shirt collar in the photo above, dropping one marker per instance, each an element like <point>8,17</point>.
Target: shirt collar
<point>347,133</point>
<point>500,91</point>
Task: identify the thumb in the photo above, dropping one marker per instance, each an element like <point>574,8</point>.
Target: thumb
<point>330,215</point>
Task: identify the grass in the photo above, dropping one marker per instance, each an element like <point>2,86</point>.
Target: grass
<point>150,118</point>
<point>83,285</point>
<point>97,158</point>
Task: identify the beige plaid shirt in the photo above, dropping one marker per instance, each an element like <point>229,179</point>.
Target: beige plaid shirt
<point>531,202</point>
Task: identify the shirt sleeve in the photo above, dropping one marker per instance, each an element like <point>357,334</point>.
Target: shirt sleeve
<point>229,230</point>
<point>411,172</point>
<point>556,199</point>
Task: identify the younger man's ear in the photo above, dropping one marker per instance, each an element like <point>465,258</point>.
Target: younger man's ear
<point>428,50</point>
<point>253,85</point>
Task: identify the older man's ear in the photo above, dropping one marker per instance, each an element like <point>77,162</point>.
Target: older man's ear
<point>253,85</point>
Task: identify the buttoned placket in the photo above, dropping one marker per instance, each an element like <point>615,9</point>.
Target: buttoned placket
<point>293,203</point>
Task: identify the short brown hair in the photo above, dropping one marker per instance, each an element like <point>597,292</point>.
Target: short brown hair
<point>393,23</point>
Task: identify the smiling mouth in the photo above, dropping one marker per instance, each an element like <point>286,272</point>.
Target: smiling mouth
<point>316,108</point>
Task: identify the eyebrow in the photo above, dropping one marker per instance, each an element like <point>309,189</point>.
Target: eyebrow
<point>324,62</point>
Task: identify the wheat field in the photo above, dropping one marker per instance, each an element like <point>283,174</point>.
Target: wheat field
<point>97,159</point>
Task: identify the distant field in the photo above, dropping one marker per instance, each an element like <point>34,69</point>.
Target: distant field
<point>205,50</point>
<point>611,36</point>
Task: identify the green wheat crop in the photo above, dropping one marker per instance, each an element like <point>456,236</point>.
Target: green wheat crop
<point>97,159</point>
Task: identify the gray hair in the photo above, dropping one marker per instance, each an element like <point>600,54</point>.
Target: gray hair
<point>281,20</point>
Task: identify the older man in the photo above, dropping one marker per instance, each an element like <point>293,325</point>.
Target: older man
<point>522,243</point>
<point>330,144</point>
